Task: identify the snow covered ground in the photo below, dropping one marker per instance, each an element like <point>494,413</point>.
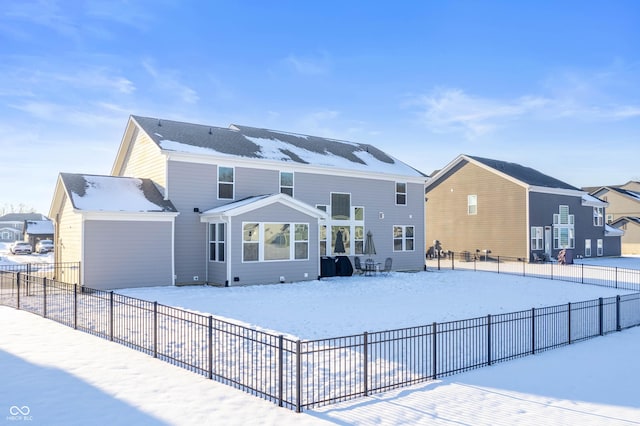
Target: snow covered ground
<point>62,376</point>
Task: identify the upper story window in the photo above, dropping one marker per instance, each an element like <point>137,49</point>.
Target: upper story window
<point>598,213</point>
<point>401,193</point>
<point>472,204</point>
<point>225,182</point>
<point>563,217</point>
<point>340,206</point>
<point>286,183</point>
<point>609,218</point>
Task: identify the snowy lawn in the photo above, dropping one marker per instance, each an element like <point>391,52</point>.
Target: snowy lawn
<point>340,306</point>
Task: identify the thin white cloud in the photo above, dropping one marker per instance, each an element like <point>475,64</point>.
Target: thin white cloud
<point>308,65</point>
<point>169,81</point>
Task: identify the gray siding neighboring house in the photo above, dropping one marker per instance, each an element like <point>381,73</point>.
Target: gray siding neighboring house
<point>477,203</point>
<point>12,225</point>
<point>261,206</point>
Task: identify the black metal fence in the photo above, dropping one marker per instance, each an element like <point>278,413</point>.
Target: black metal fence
<point>300,374</point>
<point>605,276</point>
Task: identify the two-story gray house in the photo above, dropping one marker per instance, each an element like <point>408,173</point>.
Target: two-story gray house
<point>233,206</point>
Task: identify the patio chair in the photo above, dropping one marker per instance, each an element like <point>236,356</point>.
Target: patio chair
<point>387,266</point>
<point>358,266</point>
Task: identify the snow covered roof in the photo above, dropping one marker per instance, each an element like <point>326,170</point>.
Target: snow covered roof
<point>610,231</point>
<point>252,203</point>
<point>631,194</point>
<point>21,217</point>
<point>263,144</point>
<point>39,227</point>
<point>114,194</point>
<point>590,200</point>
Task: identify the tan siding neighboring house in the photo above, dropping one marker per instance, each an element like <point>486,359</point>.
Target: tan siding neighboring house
<point>68,234</point>
<point>499,224</point>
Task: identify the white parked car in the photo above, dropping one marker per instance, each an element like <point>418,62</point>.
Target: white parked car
<point>21,247</point>
<point>44,246</point>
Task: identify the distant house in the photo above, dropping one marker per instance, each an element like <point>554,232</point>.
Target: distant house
<point>36,230</point>
<point>622,212</point>
<point>477,204</point>
<point>235,206</point>
<point>12,225</point>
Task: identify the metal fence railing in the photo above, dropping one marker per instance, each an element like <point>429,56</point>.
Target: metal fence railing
<point>605,276</point>
<point>300,374</point>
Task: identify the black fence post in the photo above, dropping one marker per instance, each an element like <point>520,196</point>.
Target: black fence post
<point>438,259</point>
<point>210,341</point>
<point>533,331</point>
<point>601,320</point>
<point>280,369</point>
<point>616,276</point>
<point>434,351</point>
<point>18,292</point>
<point>618,327</point>
<point>155,329</point>
<point>498,264</point>
<point>298,378</point>
<point>75,306</point>
<point>489,339</point>
<point>44,297</point>
<point>453,256</point>
<point>365,355</point>
<point>111,315</point>
<point>582,273</point>
<point>569,321</point>
<point>524,268</point>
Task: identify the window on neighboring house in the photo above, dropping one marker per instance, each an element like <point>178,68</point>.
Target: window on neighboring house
<point>275,241</point>
<point>401,193</point>
<point>286,183</point>
<point>600,247</point>
<point>609,218</point>
<point>536,237</point>
<point>598,213</point>
<point>216,242</point>
<point>472,204</point>
<point>403,238</point>
<point>563,228</point>
<point>225,182</point>
<point>587,248</point>
<point>250,242</point>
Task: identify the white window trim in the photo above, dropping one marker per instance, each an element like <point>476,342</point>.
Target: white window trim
<point>401,193</point>
<point>404,238</point>
<point>232,183</point>
<point>293,178</point>
<point>537,238</point>
<point>472,201</point>
<point>292,240</point>
<point>600,247</point>
<point>587,247</point>
<point>217,241</point>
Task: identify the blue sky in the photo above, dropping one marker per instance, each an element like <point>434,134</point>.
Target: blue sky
<point>550,85</point>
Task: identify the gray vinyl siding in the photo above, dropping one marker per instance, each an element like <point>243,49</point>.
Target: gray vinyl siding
<point>267,271</point>
<point>543,206</point>
<point>121,254</point>
<point>191,185</point>
<point>194,185</point>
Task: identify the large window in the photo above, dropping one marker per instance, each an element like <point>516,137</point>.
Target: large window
<point>598,213</point>
<point>225,182</point>
<point>286,183</point>
<point>403,238</point>
<point>536,238</point>
<point>216,242</point>
<point>274,241</point>
<point>587,248</point>
<point>472,204</point>
<point>401,193</point>
<point>340,206</point>
<point>563,231</point>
